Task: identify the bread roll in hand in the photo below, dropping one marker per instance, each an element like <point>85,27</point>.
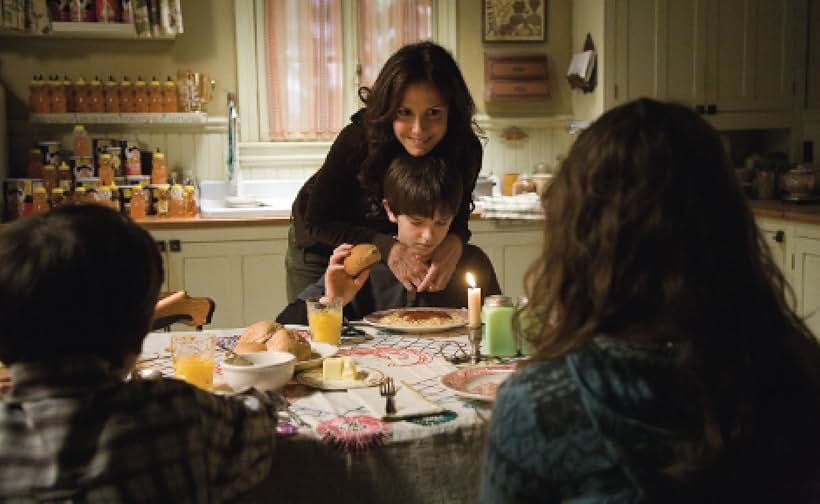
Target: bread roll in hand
<point>361,256</point>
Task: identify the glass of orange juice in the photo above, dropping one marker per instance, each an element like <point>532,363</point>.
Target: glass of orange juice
<point>193,356</point>
<point>325,320</point>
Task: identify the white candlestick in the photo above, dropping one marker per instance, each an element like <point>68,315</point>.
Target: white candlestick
<point>473,302</point>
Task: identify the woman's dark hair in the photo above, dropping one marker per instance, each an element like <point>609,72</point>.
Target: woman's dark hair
<point>76,280</point>
<point>421,186</point>
<point>647,232</point>
<point>414,63</point>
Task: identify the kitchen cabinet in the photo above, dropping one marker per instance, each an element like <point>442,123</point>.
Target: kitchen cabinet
<point>719,56</point>
<point>512,246</point>
<point>806,276</point>
<point>774,234</point>
<point>240,268</point>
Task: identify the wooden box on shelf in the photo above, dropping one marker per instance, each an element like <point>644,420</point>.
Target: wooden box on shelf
<point>515,77</point>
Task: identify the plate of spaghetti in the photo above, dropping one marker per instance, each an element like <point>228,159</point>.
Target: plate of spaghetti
<point>418,319</point>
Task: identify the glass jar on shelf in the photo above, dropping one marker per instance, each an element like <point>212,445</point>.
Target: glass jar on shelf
<point>169,96</point>
<point>50,177</point>
<point>68,87</point>
<point>524,184</point>
<point>176,204</point>
<point>82,104</point>
<point>38,100</point>
<point>57,198</point>
<point>137,205</point>
<point>65,178</point>
<point>81,142</point>
<point>40,200</point>
<point>57,101</point>
<point>34,169</point>
<point>159,171</point>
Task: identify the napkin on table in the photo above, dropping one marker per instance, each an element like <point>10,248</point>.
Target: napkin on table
<point>409,402</point>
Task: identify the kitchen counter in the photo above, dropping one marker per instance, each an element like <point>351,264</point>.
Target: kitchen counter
<point>772,209</point>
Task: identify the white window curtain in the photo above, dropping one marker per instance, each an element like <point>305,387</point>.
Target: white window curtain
<point>305,59</point>
<point>303,42</point>
<point>386,25</point>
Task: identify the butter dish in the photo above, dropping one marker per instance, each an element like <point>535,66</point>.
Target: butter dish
<point>409,402</point>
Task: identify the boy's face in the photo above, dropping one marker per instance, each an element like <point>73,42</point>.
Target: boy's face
<point>421,234</point>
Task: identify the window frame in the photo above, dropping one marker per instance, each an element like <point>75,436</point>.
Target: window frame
<point>254,151</point>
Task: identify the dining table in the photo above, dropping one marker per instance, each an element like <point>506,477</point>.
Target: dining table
<point>339,445</point>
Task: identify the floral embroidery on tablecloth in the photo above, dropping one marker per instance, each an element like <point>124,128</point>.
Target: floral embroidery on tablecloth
<point>396,357</point>
<point>354,434</point>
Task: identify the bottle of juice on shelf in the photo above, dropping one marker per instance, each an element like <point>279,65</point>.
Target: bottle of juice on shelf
<point>140,96</point>
<point>68,87</point>
<point>40,197</point>
<point>81,143</point>
<point>35,164</point>
<point>96,99</point>
<point>57,198</point>
<point>126,94</point>
<point>176,205</point>
<point>50,178</point>
<point>137,207</point>
<point>81,99</point>
<point>65,179</point>
<point>38,96</point>
<point>169,96</point>
<point>111,95</point>
<point>105,169</point>
<point>155,96</point>
<point>162,200</point>
<point>159,171</point>
<point>57,102</point>
<point>189,201</point>
<point>80,196</point>
<point>116,202</point>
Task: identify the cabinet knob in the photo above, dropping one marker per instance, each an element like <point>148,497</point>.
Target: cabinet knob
<point>711,108</point>
<point>175,245</point>
<point>161,246</point>
<point>779,236</point>
<point>700,109</point>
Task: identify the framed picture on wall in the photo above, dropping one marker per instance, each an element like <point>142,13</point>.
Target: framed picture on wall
<point>514,20</point>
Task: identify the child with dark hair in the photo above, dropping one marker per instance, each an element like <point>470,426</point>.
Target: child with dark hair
<point>421,196</point>
<point>78,286</point>
<point>669,366</point>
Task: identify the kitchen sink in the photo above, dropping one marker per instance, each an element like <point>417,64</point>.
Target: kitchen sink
<point>262,198</point>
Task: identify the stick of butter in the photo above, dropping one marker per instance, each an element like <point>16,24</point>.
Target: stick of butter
<point>339,368</point>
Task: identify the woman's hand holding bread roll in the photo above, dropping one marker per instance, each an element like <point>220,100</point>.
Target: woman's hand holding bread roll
<point>348,270</point>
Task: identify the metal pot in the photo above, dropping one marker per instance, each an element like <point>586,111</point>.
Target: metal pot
<point>483,187</point>
<point>799,182</point>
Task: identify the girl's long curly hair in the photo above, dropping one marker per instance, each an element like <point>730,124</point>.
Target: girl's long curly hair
<point>418,62</point>
<point>647,232</point>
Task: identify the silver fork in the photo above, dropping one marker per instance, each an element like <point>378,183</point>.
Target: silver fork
<point>388,389</point>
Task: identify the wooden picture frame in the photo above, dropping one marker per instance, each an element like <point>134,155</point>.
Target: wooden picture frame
<point>514,20</point>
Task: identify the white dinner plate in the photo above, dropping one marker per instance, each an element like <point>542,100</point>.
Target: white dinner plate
<point>458,317</point>
<point>318,353</point>
<point>478,382</point>
<point>366,377</point>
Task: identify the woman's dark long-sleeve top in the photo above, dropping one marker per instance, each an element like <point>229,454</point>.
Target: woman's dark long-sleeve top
<point>334,208</point>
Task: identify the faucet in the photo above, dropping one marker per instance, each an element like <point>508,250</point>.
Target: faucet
<point>232,171</point>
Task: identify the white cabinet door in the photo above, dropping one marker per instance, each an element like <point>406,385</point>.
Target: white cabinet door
<point>512,246</point>
<point>246,279</point>
<point>721,55</point>
<point>807,281</point>
<point>774,233</point>
<point>750,65</point>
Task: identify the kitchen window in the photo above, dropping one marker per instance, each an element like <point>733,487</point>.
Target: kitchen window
<point>354,36</point>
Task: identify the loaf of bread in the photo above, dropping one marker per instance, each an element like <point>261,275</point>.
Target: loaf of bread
<point>249,346</point>
<point>361,256</point>
<point>285,340</point>
<point>259,332</point>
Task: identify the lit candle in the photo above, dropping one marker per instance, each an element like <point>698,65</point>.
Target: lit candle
<point>473,302</point>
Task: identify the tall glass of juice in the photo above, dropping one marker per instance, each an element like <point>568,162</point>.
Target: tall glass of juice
<point>193,356</point>
<point>325,320</point>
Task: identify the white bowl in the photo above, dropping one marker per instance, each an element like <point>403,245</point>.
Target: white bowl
<point>270,371</point>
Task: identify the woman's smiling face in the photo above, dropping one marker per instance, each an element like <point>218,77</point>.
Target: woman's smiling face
<point>421,119</point>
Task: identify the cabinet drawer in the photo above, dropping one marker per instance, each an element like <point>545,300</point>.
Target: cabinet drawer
<point>514,67</point>
<point>500,90</point>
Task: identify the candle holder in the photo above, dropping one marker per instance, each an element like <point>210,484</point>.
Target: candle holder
<point>475,335</point>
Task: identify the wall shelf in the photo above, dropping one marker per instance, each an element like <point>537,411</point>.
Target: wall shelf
<point>123,118</point>
<point>60,29</point>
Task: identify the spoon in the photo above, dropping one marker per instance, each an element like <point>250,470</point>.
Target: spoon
<point>234,358</point>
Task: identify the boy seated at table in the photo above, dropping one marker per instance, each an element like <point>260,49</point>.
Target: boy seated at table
<point>78,287</point>
<point>421,197</point>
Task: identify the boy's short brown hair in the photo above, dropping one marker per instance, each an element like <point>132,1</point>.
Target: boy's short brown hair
<point>421,186</point>
<point>76,280</point>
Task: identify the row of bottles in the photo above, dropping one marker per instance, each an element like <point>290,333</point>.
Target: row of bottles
<point>62,95</point>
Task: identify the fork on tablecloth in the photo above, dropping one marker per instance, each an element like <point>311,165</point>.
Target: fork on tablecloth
<point>387,388</point>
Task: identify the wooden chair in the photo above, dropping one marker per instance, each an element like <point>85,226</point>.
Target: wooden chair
<point>179,307</point>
